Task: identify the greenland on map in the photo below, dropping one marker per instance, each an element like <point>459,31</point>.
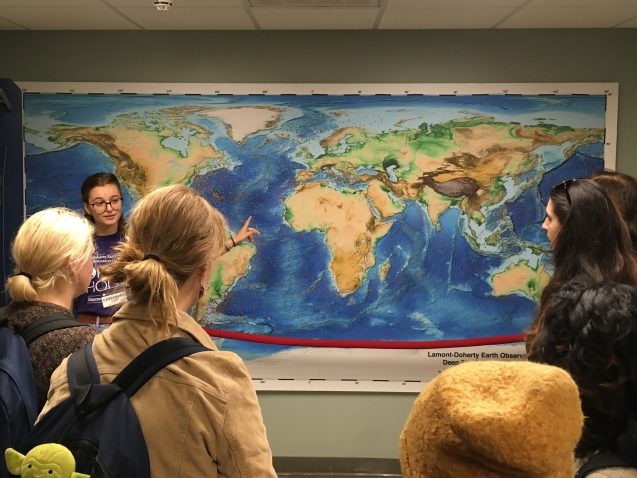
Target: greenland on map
<point>395,218</point>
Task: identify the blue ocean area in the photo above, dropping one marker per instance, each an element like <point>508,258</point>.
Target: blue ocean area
<point>55,178</point>
<point>429,282</point>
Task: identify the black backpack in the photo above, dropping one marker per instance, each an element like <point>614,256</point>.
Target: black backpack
<point>18,398</point>
<point>600,461</point>
<point>97,422</point>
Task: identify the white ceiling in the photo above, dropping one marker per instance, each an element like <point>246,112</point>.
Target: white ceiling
<point>315,14</point>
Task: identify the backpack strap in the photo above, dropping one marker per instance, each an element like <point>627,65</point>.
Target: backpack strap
<point>46,324</point>
<point>601,460</point>
<point>153,359</point>
<point>81,367</point>
<point>4,317</point>
<point>82,370</point>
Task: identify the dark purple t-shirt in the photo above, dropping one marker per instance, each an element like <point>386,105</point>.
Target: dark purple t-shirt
<point>102,298</point>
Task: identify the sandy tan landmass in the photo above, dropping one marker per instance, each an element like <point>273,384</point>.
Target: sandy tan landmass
<point>350,229</point>
<point>461,159</point>
<point>384,269</point>
<point>383,203</point>
<point>520,278</point>
<point>134,141</point>
<point>141,162</point>
<point>229,268</point>
<point>436,205</point>
<point>456,163</point>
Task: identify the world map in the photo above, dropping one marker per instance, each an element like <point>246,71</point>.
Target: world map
<point>392,218</point>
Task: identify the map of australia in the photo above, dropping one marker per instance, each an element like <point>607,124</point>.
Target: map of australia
<point>387,218</point>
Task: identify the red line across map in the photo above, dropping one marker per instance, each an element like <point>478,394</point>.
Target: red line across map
<point>366,344</point>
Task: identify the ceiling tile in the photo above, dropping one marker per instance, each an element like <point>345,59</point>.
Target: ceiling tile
<point>67,18</point>
<point>454,3</point>
<point>176,3</point>
<point>583,3</point>
<point>439,18</point>
<point>568,17</point>
<point>50,3</point>
<point>190,18</point>
<point>323,18</point>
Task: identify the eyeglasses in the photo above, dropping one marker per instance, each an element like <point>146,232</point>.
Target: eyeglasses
<point>100,205</point>
<point>563,186</point>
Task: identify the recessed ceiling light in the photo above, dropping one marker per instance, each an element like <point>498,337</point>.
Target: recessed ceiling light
<point>163,5</point>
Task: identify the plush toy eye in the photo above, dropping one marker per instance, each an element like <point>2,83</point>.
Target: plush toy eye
<point>29,466</point>
<point>50,472</point>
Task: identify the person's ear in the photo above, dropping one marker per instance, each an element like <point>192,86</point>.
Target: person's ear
<point>87,209</point>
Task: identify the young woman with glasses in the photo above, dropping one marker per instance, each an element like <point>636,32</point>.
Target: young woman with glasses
<point>102,197</point>
<point>590,242</point>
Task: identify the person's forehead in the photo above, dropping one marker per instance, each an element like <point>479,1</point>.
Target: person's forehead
<point>104,192</point>
<point>549,207</point>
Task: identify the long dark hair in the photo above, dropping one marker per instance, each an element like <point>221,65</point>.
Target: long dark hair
<point>592,243</point>
<point>101,179</point>
<point>622,189</point>
<point>591,331</point>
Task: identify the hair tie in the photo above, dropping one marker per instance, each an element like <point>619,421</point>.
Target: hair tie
<point>25,274</point>
<point>152,256</point>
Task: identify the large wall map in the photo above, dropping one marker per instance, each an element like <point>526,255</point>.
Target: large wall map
<point>391,218</point>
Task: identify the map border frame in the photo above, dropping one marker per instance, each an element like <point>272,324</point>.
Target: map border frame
<point>322,369</point>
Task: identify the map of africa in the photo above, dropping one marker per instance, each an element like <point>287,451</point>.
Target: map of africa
<point>397,218</point>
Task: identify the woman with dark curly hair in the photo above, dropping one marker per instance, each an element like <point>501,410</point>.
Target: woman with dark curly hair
<point>590,242</point>
<point>591,331</point>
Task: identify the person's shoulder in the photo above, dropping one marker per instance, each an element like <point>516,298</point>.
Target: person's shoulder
<point>221,361</point>
<point>219,373</point>
<point>614,473</point>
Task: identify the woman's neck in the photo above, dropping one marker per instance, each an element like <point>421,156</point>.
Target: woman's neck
<point>102,230</point>
<point>63,298</point>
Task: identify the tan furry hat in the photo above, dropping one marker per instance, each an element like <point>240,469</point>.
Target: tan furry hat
<point>493,420</point>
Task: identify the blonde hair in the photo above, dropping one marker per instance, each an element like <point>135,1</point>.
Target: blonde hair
<point>181,232</point>
<point>47,248</point>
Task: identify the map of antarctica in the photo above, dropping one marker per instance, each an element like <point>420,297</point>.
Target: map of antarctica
<point>382,217</point>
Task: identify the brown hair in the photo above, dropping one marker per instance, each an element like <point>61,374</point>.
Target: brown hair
<point>622,189</point>
<point>182,232</point>
<point>593,244</point>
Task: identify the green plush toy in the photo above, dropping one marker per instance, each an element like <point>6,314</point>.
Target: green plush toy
<point>50,460</point>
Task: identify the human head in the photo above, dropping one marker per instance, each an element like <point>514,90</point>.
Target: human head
<point>182,232</point>
<point>622,189</point>
<point>51,246</point>
<point>590,330</point>
<point>488,419</point>
<point>104,186</point>
<point>592,239</point>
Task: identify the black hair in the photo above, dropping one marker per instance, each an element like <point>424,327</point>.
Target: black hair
<point>591,331</point>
